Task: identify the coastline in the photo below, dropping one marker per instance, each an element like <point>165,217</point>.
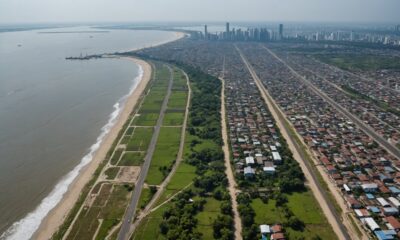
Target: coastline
<point>57,215</point>
<point>179,35</point>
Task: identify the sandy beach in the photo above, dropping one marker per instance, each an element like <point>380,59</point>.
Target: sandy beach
<point>56,216</point>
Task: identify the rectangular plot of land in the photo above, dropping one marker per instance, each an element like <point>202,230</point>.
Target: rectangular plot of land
<point>173,118</point>
<point>116,156</point>
<point>140,140</point>
<point>131,159</point>
<point>164,155</point>
<point>177,100</point>
<point>146,119</point>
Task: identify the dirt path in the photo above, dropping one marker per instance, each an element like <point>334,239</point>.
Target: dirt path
<point>332,218</point>
<point>228,167</point>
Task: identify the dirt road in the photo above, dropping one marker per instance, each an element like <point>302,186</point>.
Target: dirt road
<point>231,178</point>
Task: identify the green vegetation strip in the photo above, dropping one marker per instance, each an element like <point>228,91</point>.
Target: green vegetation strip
<point>107,209</point>
<point>364,62</point>
<point>132,159</point>
<point>164,155</point>
<point>111,172</point>
<point>140,140</point>
<point>202,211</point>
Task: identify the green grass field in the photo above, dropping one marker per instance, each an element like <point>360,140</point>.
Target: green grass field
<point>173,118</point>
<point>304,206</point>
<point>109,206</point>
<point>361,62</point>
<point>111,172</point>
<point>146,119</point>
<point>206,217</point>
<point>183,176</point>
<point>131,159</point>
<point>145,197</point>
<point>140,140</point>
<point>164,154</point>
<point>177,100</point>
<point>149,228</point>
<point>180,82</point>
<point>116,156</point>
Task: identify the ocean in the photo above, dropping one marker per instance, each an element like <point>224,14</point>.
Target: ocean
<point>55,112</point>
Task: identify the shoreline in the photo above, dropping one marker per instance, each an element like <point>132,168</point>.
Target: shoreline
<point>50,224</point>
<point>179,35</point>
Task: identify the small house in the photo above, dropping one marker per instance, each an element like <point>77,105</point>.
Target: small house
<point>276,157</point>
<point>269,170</point>
<point>248,172</point>
<point>369,187</point>
<point>265,229</point>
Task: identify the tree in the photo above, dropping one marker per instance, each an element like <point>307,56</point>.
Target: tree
<point>220,223</point>
<point>226,207</point>
<point>281,200</point>
<point>226,234</point>
<point>163,227</point>
<point>295,223</point>
<point>247,214</point>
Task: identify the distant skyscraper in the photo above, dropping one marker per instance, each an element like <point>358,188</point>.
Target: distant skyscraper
<point>398,28</point>
<point>227,32</point>
<point>352,36</point>
<point>205,32</point>
<point>280,31</point>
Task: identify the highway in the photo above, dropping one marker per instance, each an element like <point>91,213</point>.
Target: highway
<point>318,191</point>
<point>368,130</point>
<point>124,232</point>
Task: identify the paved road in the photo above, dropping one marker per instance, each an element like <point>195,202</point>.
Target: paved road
<point>126,224</point>
<point>368,130</point>
<point>179,158</point>
<point>299,155</point>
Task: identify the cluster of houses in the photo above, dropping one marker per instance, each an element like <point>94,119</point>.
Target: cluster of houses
<point>331,80</point>
<point>378,84</point>
<point>368,176</point>
<point>255,142</point>
<point>274,232</point>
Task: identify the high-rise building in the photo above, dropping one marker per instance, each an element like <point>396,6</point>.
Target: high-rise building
<point>398,28</point>
<point>205,32</point>
<point>227,32</point>
<point>351,36</point>
<point>280,31</point>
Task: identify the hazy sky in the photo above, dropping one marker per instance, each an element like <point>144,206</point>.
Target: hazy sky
<point>12,11</point>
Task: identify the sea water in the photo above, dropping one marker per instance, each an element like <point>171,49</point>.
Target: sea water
<point>54,113</point>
